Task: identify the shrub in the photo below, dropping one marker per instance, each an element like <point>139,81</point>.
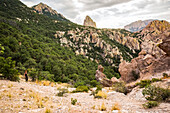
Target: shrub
<point>79,83</point>
<point>7,68</point>
<point>73,101</point>
<point>150,104</point>
<point>33,73</point>
<point>81,89</point>
<point>62,92</point>
<point>165,75</point>
<point>99,88</point>
<point>94,83</point>
<point>143,83</point>
<point>120,87</point>
<point>101,94</point>
<point>156,93</point>
<point>47,111</point>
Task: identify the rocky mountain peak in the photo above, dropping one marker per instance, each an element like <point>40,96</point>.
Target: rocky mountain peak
<point>137,25</point>
<point>89,22</point>
<point>41,8</point>
<point>157,25</point>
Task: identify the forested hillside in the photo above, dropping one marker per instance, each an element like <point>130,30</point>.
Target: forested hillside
<point>36,43</point>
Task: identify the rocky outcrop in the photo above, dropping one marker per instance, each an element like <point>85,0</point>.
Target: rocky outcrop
<point>154,58</point>
<point>101,77</point>
<point>44,9</point>
<point>41,8</point>
<point>165,46</point>
<point>88,41</point>
<point>137,26</point>
<point>89,22</point>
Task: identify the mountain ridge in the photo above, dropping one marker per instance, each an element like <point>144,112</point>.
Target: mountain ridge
<point>137,25</point>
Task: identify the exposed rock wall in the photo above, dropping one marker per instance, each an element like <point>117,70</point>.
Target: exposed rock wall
<point>87,41</point>
<point>89,22</point>
<point>154,59</point>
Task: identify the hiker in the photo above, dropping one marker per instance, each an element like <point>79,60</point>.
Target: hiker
<point>26,76</point>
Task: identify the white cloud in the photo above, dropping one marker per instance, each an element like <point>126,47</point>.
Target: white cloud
<point>109,13</point>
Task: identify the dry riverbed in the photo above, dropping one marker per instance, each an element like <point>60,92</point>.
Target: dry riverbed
<point>32,97</point>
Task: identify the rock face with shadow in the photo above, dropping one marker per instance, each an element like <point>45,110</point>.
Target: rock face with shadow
<point>154,58</point>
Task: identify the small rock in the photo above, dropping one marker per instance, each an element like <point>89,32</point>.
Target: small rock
<point>21,88</point>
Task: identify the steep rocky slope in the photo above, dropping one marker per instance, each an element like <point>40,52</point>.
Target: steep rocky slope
<point>89,22</point>
<point>100,45</point>
<point>152,60</point>
<point>137,26</point>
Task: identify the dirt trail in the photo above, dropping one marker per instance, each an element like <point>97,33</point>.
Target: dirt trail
<point>22,97</point>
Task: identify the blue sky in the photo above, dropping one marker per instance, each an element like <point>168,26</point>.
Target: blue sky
<point>109,13</point>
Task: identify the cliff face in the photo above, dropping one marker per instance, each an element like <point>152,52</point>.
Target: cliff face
<point>101,45</point>
<point>153,60</point>
<point>89,22</point>
<point>137,26</point>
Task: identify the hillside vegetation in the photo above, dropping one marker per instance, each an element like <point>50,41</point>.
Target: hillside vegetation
<point>32,40</point>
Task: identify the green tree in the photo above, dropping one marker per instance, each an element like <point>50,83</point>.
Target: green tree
<point>8,69</point>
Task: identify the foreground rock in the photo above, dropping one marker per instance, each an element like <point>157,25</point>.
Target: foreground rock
<point>89,22</point>
<point>101,77</point>
<point>154,58</point>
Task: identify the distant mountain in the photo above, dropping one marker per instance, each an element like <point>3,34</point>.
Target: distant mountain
<point>89,22</point>
<point>44,9</point>
<point>138,25</point>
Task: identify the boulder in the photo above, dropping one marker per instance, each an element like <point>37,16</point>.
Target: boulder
<point>101,77</point>
<point>165,46</point>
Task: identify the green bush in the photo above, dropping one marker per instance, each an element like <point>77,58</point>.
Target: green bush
<point>156,93</point>
<point>33,74</point>
<point>62,92</point>
<point>79,83</point>
<point>81,89</point>
<point>94,83</point>
<point>165,75</point>
<point>150,104</point>
<point>7,68</point>
<point>145,83</point>
<point>156,80</point>
<point>120,87</point>
<point>99,88</point>
<point>73,101</point>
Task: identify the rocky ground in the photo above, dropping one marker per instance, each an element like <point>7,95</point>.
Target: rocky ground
<point>32,97</point>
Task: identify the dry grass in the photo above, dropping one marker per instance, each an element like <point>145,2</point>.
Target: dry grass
<point>93,107</point>
<point>46,83</point>
<point>9,95</point>
<point>103,107</point>
<point>10,85</point>
<point>52,84</point>
<point>101,94</point>
<point>48,110</point>
<point>116,106</point>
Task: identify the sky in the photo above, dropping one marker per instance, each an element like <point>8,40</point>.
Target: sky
<point>109,13</point>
